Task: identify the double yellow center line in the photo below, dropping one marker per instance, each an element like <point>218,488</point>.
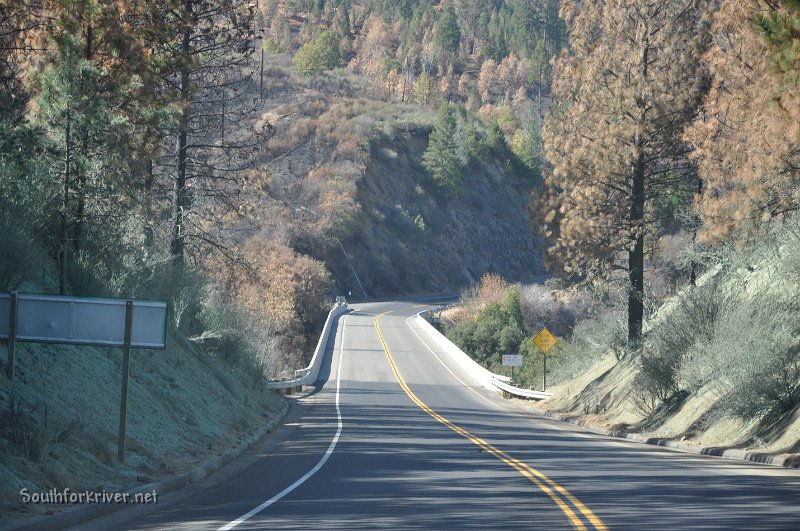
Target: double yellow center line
<point>565,501</point>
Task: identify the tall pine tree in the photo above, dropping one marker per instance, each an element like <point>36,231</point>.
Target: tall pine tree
<point>209,76</point>
<point>441,158</point>
<point>624,95</point>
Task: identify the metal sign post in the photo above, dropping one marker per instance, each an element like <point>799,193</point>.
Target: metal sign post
<point>12,336</point>
<point>84,321</point>
<point>544,371</point>
<point>126,367</point>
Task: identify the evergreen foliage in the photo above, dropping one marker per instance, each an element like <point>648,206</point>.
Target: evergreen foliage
<point>448,34</point>
<point>457,142</point>
<point>498,329</point>
<point>780,29</point>
<point>441,158</point>
<point>321,54</point>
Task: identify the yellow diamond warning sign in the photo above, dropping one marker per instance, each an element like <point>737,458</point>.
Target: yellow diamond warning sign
<point>544,340</point>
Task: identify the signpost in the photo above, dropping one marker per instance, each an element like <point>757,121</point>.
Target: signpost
<point>512,360</point>
<point>84,321</point>
<point>545,341</point>
<point>12,334</point>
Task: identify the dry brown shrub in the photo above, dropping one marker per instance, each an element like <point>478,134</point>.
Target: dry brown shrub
<point>302,129</point>
<point>492,288</point>
<point>316,107</point>
<point>329,121</point>
<point>321,174</point>
<point>286,290</point>
<point>456,315</point>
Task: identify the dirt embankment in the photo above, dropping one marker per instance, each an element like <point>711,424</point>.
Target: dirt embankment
<point>60,419</point>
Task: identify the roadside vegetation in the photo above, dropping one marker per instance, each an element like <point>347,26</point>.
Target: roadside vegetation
<point>295,150</point>
<point>670,195</point>
<point>289,152</point>
<point>495,317</point>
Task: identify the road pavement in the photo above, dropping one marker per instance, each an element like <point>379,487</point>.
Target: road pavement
<point>396,436</point>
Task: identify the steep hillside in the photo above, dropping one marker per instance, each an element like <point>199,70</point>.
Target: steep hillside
<point>410,238</point>
<point>347,186</point>
<point>720,365</point>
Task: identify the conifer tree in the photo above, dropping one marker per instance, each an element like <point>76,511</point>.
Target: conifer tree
<point>447,36</point>
<point>210,77</point>
<point>321,54</point>
<point>441,158</point>
<point>95,106</point>
<point>747,142</point>
<point>624,95</point>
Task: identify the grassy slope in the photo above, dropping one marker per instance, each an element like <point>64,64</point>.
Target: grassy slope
<point>700,418</point>
<point>184,408</point>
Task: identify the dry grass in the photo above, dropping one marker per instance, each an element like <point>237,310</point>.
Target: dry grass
<point>729,346</point>
<point>79,388</point>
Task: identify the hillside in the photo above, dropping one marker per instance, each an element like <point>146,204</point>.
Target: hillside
<point>429,243</point>
<point>347,186</point>
<point>730,377</point>
<point>718,367</point>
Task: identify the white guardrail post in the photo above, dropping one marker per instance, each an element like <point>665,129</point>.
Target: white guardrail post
<point>483,376</point>
<point>310,374</point>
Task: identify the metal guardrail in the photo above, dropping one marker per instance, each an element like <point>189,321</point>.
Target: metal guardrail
<point>471,366</point>
<point>520,392</point>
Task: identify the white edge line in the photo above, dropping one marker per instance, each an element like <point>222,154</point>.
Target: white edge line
<point>319,465</point>
<point>445,365</point>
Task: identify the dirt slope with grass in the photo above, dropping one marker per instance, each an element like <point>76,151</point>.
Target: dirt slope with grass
<point>59,418</point>
<point>720,366</point>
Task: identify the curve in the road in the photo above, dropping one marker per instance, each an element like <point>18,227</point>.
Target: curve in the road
<point>565,500</point>
<point>321,462</point>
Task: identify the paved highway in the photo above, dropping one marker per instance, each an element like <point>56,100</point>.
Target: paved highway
<point>396,436</point>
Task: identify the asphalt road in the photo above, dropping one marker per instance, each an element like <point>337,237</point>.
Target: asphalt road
<point>396,436</point>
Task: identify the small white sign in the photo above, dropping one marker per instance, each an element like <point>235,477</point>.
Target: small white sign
<point>512,360</point>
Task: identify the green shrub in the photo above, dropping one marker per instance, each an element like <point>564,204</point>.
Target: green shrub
<point>323,53</point>
<point>498,329</point>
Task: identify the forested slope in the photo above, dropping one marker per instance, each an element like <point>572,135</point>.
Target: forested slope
<point>670,201</point>
<point>244,162</point>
